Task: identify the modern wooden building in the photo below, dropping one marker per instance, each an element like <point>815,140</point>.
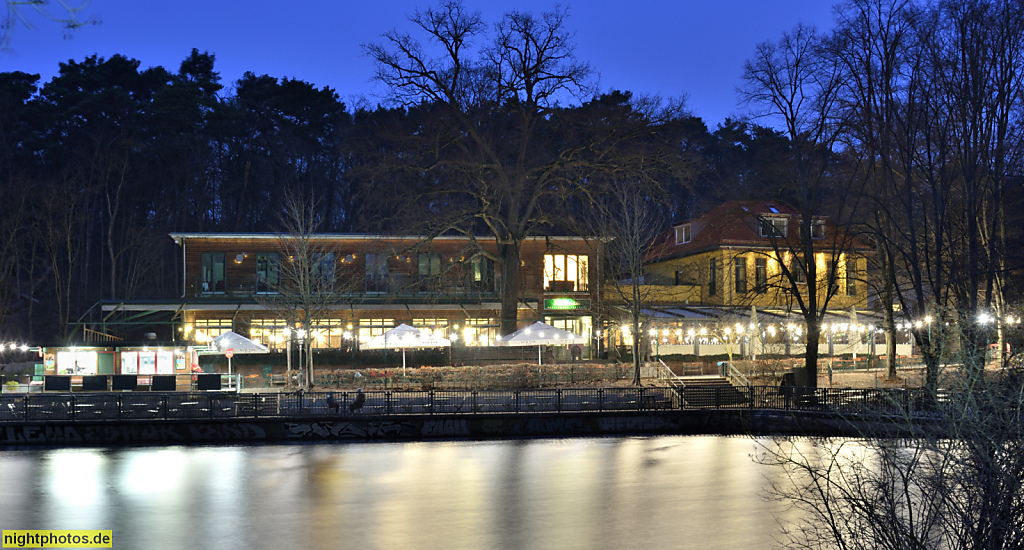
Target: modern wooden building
<point>339,289</point>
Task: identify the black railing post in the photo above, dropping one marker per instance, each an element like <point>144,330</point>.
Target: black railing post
<point>74,407</point>
<point>25,407</point>
<point>120,406</point>
<point>431,393</point>
<point>474,405</point>
<point>387,402</point>
<point>515,400</point>
<point>558,406</point>
<point>600,399</point>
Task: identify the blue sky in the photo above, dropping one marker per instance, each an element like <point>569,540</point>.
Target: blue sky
<point>696,48</point>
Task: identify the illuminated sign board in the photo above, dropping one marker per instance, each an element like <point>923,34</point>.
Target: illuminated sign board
<point>566,303</point>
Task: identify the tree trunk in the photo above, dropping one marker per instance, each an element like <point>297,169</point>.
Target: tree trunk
<point>510,264</point>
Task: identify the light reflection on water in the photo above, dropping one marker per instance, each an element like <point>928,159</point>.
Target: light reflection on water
<point>641,492</point>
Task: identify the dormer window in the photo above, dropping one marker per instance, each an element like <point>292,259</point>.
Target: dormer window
<point>683,234</point>
<point>817,229</point>
<point>774,227</point>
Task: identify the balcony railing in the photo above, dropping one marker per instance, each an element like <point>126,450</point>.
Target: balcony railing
<point>393,288</point>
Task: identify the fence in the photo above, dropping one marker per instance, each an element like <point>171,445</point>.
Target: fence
<point>179,405</point>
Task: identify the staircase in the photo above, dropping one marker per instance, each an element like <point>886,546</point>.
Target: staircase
<point>711,391</point>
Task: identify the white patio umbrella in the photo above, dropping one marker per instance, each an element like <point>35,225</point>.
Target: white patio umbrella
<point>540,334</point>
<point>404,337</point>
<point>237,343</point>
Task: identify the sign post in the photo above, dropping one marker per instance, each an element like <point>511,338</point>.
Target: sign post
<point>229,353</point>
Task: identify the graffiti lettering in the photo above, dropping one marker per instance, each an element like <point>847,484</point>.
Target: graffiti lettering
<point>445,428</point>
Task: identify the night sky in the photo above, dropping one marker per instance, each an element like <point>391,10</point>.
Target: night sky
<point>696,48</point>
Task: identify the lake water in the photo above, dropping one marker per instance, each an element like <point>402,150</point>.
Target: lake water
<point>632,492</point>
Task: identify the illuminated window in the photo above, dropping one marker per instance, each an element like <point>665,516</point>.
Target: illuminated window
<point>368,328</point>
<point>329,334</point>
<point>269,332</point>
<point>566,273</point>
<point>851,278</point>
<point>208,329</point>
<point>76,362</point>
<point>438,327</point>
<point>478,332</point>
<point>147,362</point>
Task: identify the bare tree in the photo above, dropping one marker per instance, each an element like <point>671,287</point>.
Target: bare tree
<point>306,289</point>
<point>19,11</point>
<point>498,154</point>
<point>627,219</point>
<point>795,81</point>
<point>954,482</point>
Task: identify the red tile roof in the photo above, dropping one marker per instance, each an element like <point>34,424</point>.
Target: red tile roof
<point>734,224</point>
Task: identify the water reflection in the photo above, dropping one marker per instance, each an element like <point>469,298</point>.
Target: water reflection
<point>654,492</point>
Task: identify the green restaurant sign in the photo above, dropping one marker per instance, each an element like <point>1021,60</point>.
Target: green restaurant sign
<point>566,303</point>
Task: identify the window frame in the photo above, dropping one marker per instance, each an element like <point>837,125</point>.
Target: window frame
<point>712,276</point>
<point>779,226</point>
<point>684,230</point>
<point>761,275</point>
<point>207,264</point>
<point>817,224</point>
<point>740,274</point>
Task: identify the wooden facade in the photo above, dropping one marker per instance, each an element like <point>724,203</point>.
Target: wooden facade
<point>451,284</point>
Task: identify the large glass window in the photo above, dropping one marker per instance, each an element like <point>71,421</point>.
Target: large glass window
<point>376,273</point>
<point>430,265</point>
<point>566,273</point>
<point>740,268</point>
<point>268,272</point>
<point>269,332</point>
<point>330,333</point>
<point>476,332</point>
<point>481,274</point>
<point>213,272</point>
<point>429,271</point>
<point>76,362</point>
<point>147,362</point>
<point>368,328</point>
<point>323,272</point>
<point>208,329</point>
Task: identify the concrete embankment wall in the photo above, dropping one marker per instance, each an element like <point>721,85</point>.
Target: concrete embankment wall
<point>420,427</point>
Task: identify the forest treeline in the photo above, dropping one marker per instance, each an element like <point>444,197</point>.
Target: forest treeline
<point>901,122</point>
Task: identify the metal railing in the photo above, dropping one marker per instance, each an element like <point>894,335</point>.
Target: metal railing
<point>734,375</point>
<point>62,407</point>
